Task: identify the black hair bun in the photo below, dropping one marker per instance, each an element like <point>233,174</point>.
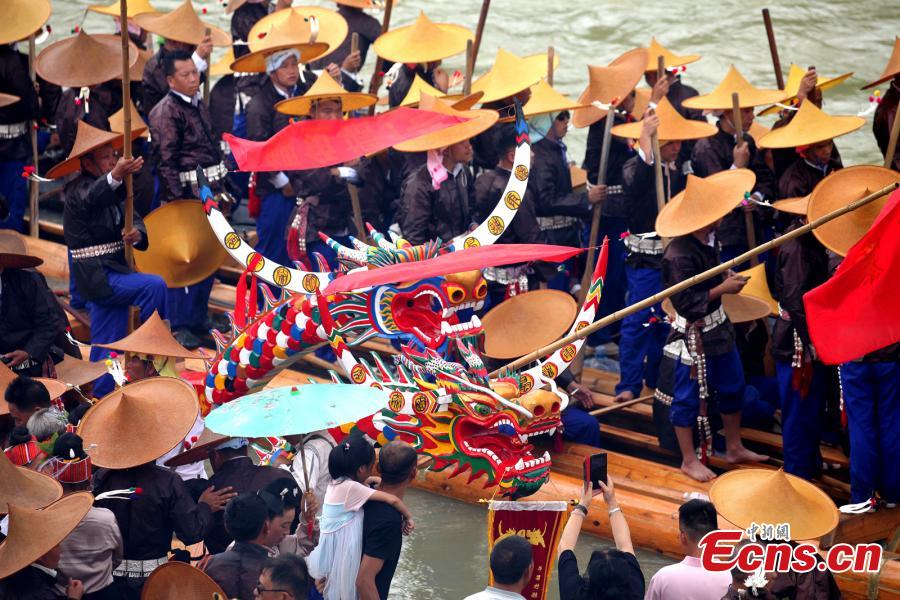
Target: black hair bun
<point>69,446</point>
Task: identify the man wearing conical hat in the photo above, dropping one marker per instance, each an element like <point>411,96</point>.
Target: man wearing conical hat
<point>802,264</point>
<point>94,223</point>
<point>367,27</point>
<point>30,321</point>
<point>887,108</point>
<point>702,338</point>
<point>15,147</point>
<point>182,31</point>
<point>244,15</point>
<point>720,152</point>
<point>644,333</point>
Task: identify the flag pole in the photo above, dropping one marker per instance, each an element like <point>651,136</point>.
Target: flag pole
<point>692,281</point>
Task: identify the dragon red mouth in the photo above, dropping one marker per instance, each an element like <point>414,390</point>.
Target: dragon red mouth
<point>424,314</point>
<point>503,443</point>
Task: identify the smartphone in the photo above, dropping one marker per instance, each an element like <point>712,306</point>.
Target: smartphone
<point>595,469</point>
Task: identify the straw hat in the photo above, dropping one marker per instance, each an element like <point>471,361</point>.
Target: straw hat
<point>182,25</point>
<point>184,249</point>
<point>139,422</point>
<point>25,488</point>
<point>641,102</point>
<point>136,72</point>
<point>610,85</point>
<point>281,37</point>
<point>891,69</point>
<point>526,322</point>
<point>740,308</point>
<point>87,139</point>
<point>748,96</point>
<point>810,125</point>
<point>546,99</point>
<point>510,75</point>
<point>745,496</point>
<point>325,88</point>
<point>13,254</point>
<point>180,581</point>
<point>672,126</point>
<point>75,372</point>
<point>422,42</point>
<point>117,121</point>
<point>758,287</point>
<point>757,131</point>
<point>795,206</point>
<point>418,87</point>
<point>792,85</point>
<point>153,337</point>
<point>333,27</point>
<point>840,189</point>
<point>21,18</point>
<point>7,99</point>
<point>135,7</point>
<point>704,201</point>
<point>655,50</point>
<point>84,60</point>
<point>33,533</point>
<point>54,388</point>
<point>478,121</point>
<point>199,449</point>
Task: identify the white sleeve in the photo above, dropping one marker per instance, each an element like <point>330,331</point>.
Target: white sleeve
<point>279,179</point>
<point>199,62</point>
<point>112,181</point>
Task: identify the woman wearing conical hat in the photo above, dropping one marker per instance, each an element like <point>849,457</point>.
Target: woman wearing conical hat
<point>182,30</point>
<point>21,18</point>
<point>887,108</point>
<point>720,152</point>
<point>702,338</point>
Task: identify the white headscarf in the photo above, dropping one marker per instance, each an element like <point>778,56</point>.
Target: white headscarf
<point>276,59</point>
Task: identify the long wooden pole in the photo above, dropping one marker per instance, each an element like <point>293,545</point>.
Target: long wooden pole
<point>479,29</point>
<point>126,146</point>
<point>551,52</point>
<point>654,141</point>
<point>207,32</point>
<point>357,212</point>
<point>470,67</point>
<point>692,281</point>
<point>33,190</point>
<point>892,142</point>
<point>377,76</point>
<point>619,406</point>
<point>773,48</point>
<point>738,139</point>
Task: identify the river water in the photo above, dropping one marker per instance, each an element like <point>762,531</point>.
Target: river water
<point>446,556</point>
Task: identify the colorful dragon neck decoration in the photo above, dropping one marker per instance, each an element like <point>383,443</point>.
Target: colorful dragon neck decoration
<point>450,412</point>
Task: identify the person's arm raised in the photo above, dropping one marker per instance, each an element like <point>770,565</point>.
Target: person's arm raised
<point>569,536</point>
<point>617,522</point>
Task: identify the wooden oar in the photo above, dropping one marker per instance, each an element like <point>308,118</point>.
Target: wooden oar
<point>773,48</point>
<point>479,30</point>
<point>739,138</point>
<point>126,112</point>
<point>357,212</point>
<point>654,141</point>
<point>377,76</point>
<point>470,67</point>
<point>692,281</point>
<point>33,190</point>
<point>619,406</point>
<point>550,53</point>
<point>206,32</point>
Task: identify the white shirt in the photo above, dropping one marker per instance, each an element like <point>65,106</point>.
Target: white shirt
<point>315,451</point>
<point>688,580</point>
<point>492,593</point>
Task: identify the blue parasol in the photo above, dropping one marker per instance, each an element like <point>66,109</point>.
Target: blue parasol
<point>296,410</point>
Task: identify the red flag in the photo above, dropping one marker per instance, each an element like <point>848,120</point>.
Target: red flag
<point>467,259</point>
<point>855,312</point>
<point>315,144</point>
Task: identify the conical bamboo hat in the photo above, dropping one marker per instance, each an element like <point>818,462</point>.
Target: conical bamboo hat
<point>154,338</point>
<point>422,42</point>
<point>134,7</point>
<point>704,201</point>
<point>278,38</point>
<point>610,85</point>
<point>891,69</point>
<point>87,139</point>
<point>182,25</point>
<point>792,85</point>
<point>478,122</point>
<point>21,18</point>
<point>510,74</point>
<point>672,126</point>
<point>748,95</point>
<point>758,287</point>
<point>325,88</point>
<point>24,487</point>
<point>810,125</point>
<point>655,50</point>
<point>84,60</point>
<point>333,27</point>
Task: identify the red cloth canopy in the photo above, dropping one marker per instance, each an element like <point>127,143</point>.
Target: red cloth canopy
<point>468,259</point>
<point>855,312</point>
<point>313,144</point>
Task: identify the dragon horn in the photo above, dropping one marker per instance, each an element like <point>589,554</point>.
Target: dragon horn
<point>383,242</point>
<point>343,252</point>
<point>359,245</point>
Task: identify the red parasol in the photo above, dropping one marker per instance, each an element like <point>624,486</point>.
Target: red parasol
<point>314,144</point>
<point>468,259</point>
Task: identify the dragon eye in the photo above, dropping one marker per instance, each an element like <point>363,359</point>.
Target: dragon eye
<point>482,409</point>
<point>481,290</point>
<point>456,294</point>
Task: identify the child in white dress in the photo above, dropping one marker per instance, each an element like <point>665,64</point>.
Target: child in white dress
<point>339,552</point>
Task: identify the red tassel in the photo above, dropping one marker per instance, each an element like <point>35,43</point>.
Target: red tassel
<point>242,315</point>
<point>253,203</point>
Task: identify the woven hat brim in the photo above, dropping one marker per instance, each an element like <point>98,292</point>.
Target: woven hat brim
<point>73,163</point>
<point>677,219</point>
<point>751,99</point>
<point>391,45</point>
<point>631,65</point>
<point>479,122</point>
<point>113,9</point>
<point>19,261</point>
<point>255,62</point>
<point>827,84</point>
<point>180,580</point>
<point>795,206</point>
<point>302,105</point>
<point>197,453</point>
<point>785,137</point>
<point>506,327</point>
<point>76,75</point>
<point>154,23</point>
<point>36,491</point>
<point>333,26</point>
<point>77,372</point>
<point>679,61</point>
<point>21,18</point>
<point>688,130</point>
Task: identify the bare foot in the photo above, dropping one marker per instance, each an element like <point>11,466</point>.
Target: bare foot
<point>697,470</point>
<point>624,396</point>
<point>742,455</point>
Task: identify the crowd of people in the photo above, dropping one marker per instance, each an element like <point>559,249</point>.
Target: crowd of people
<point>685,182</point>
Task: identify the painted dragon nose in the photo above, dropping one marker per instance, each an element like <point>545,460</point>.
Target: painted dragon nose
<point>541,403</point>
